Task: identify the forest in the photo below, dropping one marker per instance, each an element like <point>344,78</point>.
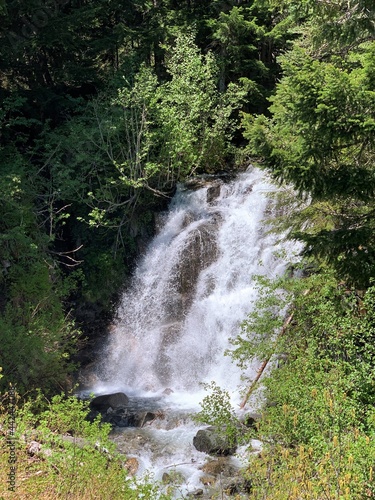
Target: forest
<point>105,106</point>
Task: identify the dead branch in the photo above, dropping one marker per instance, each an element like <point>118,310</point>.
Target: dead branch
<point>266,361</point>
<point>66,255</point>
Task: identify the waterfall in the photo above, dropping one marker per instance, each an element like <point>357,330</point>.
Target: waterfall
<point>192,289</point>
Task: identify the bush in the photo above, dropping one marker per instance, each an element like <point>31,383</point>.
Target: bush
<point>75,459</point>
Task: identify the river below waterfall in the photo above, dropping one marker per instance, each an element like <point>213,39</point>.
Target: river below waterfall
<point>189,294</point>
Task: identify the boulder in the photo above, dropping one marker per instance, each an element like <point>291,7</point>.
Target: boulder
<point>129,418</point>
<point>214,441</point>
<point>143,417</point>
<point>104,402</point>
<point>200,251</point>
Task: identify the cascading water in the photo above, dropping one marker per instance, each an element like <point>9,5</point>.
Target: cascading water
<point>191,291</point>
<point>189,294</point>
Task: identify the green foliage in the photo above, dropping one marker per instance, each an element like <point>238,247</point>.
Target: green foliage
<point>318,421</point>
<point>259,339</point>
<point>145,137</point>
<point>37,337</point>
<point>217,411</point>
<point>333,27</point>
<point>197,120</point>
<point>76,458</point>
<point>319,139</point>
<point>319,135</point>
<point>237,36</point>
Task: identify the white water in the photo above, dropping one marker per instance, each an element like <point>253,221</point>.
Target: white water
<point>164,339</point>
<point>156,343</point>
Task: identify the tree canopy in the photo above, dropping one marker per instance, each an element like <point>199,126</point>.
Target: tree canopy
<point>320,135</point>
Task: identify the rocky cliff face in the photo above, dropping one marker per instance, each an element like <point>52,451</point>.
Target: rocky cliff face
<point>198,251</point>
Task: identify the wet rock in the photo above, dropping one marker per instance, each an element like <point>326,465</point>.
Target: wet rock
<point>200,252</point>
<point>188,219</point>
<point>106,401</point>
<point>119,420</point>
<point>196,493</point>
<point>207,480</point>
<point>131,418</point>
<point>159,221</point>
<point>251,420</point>
<point>208,180</point>
<point>196,183</point>
<point>167,391</point>
<point>173,477</point>
<point>213,441</point>
<point>131,443</point>
<point>213,191</point>
<point>132,466</point>
<point>249,189</point>
<point>137,412</point>
<point>142,418</point>
<point>219,466</point>
<point>236,485</point>
<point>170,332</point>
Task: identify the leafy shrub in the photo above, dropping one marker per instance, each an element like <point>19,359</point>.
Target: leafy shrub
<point>76,458</point>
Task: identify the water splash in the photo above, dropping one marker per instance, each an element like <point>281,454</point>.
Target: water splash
<point>191,291</point>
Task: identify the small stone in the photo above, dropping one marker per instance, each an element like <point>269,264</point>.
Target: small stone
<point>207,480</point>
<point>132,466</point>
<point>33,448</point>
<point>173,477</point>
<point>166,478</point>
<point>213,467</point>
<point>196,493</point>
